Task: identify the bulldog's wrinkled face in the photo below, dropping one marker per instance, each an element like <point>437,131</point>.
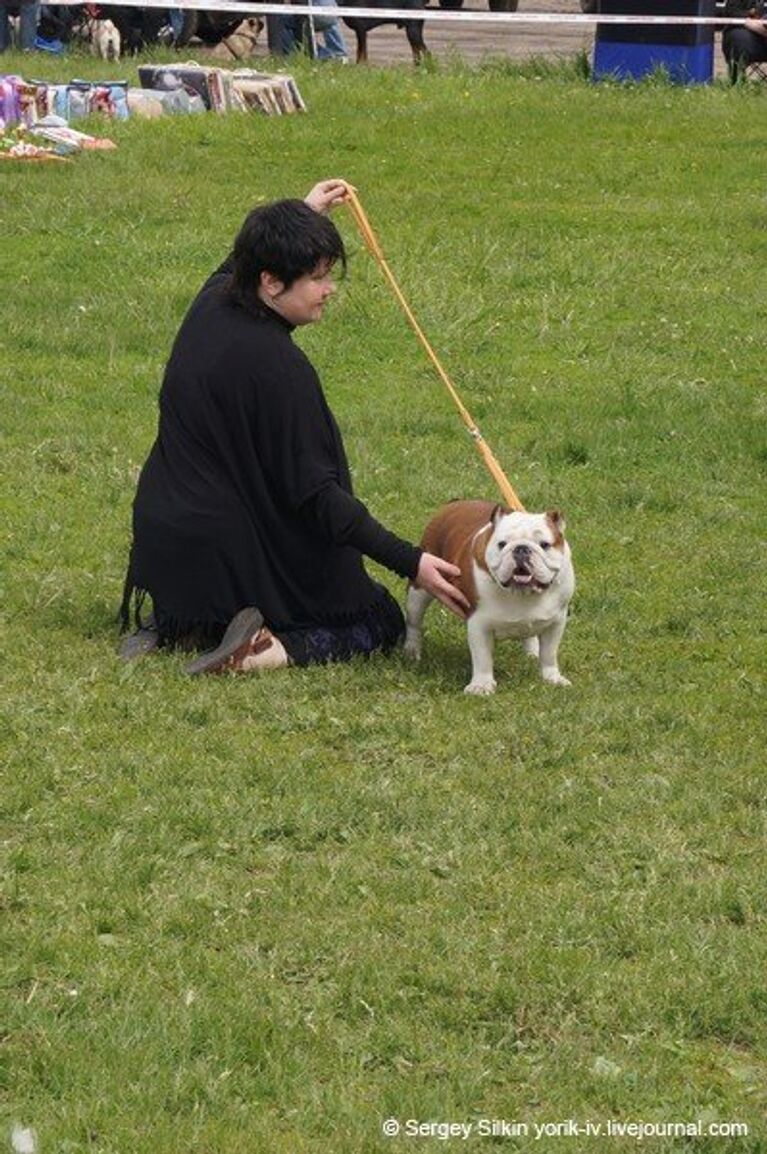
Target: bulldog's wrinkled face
<point>526,550</point>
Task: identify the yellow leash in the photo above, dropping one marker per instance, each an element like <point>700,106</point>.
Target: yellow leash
<point>371,241</point>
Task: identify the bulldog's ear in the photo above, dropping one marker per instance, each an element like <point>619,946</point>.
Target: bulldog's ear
<point>557,521</point>
<point>497,514</point>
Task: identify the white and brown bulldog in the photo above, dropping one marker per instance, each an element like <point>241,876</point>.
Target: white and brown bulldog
<point>518,577</point>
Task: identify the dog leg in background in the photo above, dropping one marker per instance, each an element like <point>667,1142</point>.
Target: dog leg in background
<point>549,647</point>
<point>481,642</point>
<point>414,33</point>
<point>113,42</point>
<point>418,601</point>
<point>362,44</point>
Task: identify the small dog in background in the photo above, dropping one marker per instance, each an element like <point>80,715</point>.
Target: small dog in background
<point>104,38</point>
<point>103,35</point>
<point>517,575</point>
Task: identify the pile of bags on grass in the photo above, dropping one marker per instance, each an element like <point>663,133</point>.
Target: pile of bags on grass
<point>164,89</point>
<point>27,102</point>
<point>191,88</point>
<point>32,121</point>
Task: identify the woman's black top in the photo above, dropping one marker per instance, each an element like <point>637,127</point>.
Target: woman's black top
<point>246,497</point>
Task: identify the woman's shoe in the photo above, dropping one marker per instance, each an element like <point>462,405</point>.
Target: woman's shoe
<point>236,644</point>
<point>138,644</point>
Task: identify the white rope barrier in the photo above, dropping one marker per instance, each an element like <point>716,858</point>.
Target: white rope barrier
<point>435,15</point>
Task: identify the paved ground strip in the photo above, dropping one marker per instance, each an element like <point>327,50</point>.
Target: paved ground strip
<point>519,41</point>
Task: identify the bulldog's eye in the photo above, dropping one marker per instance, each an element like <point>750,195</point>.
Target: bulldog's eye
<point>502,544</point>
<point>545,544</point>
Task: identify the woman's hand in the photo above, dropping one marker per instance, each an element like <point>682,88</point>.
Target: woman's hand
<point>326,195</point>
<point>436,576</point>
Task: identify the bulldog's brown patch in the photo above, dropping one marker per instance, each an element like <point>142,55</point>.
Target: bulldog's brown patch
<point>459,532</point>
<point>557,522</point>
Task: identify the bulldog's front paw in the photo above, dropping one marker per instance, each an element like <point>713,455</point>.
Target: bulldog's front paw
<point>481,686</point>
<point>554,677</point>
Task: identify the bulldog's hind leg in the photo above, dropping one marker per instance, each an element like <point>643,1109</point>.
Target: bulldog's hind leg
<point>531,647</point>
<point>418,601</point>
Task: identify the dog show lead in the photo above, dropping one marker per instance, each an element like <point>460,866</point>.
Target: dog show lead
<point>507,490</point>
<point>247,536</point>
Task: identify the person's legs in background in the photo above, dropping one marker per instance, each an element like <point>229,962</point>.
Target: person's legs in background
<point>176,22</point>
<point>5,28</point>
<point>293,34</point>
<point>28,13</point>
<point>333,46</point>
<point>742,47</point>
<point>290,34</point>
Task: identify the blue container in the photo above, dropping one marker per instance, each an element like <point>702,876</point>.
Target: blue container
<point>632,51</point>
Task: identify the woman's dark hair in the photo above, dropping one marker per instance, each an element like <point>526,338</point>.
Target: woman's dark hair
<point>287,239</point>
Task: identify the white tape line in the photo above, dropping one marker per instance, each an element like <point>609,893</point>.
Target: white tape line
<point>431,14</point>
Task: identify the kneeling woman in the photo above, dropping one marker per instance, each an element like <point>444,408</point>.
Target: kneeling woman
<point>246,532</point>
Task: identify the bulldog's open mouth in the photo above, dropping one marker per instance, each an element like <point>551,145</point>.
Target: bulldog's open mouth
<point>522,578</point>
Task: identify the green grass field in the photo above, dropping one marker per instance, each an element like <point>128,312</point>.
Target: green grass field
<point>265,915</point>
